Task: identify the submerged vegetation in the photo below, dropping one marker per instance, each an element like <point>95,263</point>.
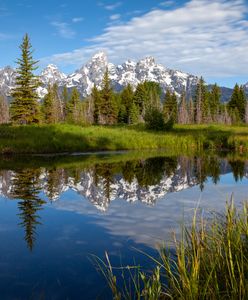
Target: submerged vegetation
<point>209,261</point>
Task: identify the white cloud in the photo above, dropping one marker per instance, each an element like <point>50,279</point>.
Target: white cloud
<point>63,29</point>
<point>111,6</point>
<point>115,17</point>
<point>167,3</point>
<point>208,38</point>
<point>77,19</point>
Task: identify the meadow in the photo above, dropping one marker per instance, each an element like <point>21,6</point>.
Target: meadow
<point>67,138</point>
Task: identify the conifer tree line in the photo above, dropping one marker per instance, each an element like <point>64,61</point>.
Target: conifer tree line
<point>146,103</point>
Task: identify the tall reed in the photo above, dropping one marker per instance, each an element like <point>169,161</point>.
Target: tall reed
<point>208,261</point>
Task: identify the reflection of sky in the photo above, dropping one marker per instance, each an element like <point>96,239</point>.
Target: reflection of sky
<point>149,225</point>
<point>72,228</point>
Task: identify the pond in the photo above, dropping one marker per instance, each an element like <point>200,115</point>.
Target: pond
<point>56,212</point>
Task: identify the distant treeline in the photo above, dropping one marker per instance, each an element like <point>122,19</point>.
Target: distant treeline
<point>104,106</point>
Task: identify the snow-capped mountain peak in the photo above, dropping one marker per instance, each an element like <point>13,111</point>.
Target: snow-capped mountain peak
<point>130,72</point>
<point>51,75</point>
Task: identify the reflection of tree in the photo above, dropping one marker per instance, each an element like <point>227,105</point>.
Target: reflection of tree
<point>207,166</point>
<point>151,171</point>
<point>238,169</point>
<point>129,170</point>
<point>55,181</point>
<point>147,172</point>
<point>26,187</point>
<point>106,172</point>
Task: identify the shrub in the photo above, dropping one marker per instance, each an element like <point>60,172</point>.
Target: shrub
<point>154,120</point>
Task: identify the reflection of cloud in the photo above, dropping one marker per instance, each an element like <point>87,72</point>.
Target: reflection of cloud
<point>152,225</point>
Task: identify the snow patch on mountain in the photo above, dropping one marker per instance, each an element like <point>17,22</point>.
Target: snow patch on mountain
<point>90,74</point>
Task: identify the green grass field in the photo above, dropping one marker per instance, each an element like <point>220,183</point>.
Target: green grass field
<point>66,138</point>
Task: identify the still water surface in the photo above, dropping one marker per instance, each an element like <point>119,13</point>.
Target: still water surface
<point>56,212</point>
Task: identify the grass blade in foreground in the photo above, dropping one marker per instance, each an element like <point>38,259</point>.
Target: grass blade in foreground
<point>210,261</point>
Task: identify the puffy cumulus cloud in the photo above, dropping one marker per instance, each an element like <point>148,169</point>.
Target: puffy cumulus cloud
<point>208,38</point>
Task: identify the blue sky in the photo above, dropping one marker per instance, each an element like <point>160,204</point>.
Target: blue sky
<point>203,37</point>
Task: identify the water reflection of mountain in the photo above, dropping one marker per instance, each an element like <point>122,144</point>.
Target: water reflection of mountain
<point>140,180</point>
<point>137,180</point>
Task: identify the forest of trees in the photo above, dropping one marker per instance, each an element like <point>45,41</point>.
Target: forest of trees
<point>144,104</point>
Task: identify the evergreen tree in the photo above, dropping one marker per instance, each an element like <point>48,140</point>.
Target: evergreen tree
<point>154,92</point>
<point>52,109</point>
<point>134,114</point>
<point>4,110</point>
<point>141,97</point>
<point>214,102</point>
<point>24,107</point>
<point>191,109</point>
<point>65,100</point>
<point>73,107</point>
<point>167,104</point>
<point>170,110</point>
<point>127,99</point>
<point>237,104</point>
<point>202,111</point>
<point>97,100</point>
<point>183,116</point>
<point>109,110</point>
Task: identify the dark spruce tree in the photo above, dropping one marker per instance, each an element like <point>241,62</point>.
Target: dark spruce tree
<point>214,102</point>
<point>73,107</point>
<point>109,109</point>
<point>170,109</point>
<point>97,104</point>
<point>237,104</point>
<point>52,108</point>
<point>24,107</point>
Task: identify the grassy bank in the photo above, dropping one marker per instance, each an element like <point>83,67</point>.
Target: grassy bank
<point>210,261</point>
<point>71,138</point>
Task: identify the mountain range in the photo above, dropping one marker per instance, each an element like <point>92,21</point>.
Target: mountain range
<point>130,72</point>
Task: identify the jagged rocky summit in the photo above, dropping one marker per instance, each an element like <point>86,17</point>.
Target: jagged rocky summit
<point>92,72</point>
<point>130,72</point>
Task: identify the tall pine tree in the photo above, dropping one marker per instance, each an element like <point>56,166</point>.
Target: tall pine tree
<point>237,104</point>
<point>24,107</point>
<point>170,110</point>
<point>73,107</point>
<point>108,106</point>
<point>214,102</point>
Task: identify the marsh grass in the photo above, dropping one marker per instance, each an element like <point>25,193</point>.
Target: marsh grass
<point>67,138</point>
<point>209,261</point>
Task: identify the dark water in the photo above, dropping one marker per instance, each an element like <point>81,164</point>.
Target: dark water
<point>56,212</point>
